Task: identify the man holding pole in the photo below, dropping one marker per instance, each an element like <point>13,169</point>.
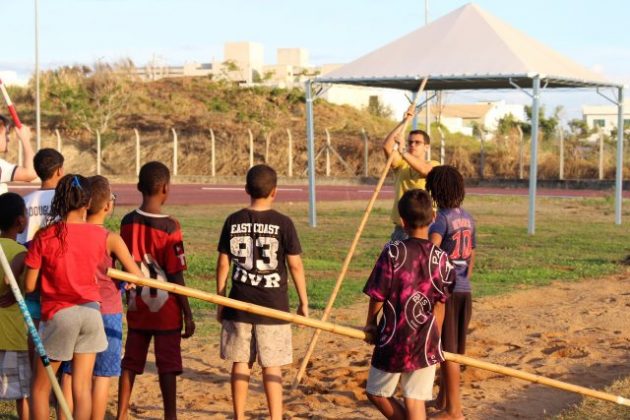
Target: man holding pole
<point>410,165</point>
<point>9,171</point>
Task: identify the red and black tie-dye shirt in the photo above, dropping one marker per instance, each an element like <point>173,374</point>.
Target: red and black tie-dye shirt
<point>409,278</point>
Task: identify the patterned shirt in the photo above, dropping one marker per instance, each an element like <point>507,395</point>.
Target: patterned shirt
<point>457,228</point>
<point>409,277</point>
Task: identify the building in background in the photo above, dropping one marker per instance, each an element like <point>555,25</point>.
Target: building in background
<point>605,116</point>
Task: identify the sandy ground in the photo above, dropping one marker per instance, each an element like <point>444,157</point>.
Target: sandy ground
<point>574,332</point>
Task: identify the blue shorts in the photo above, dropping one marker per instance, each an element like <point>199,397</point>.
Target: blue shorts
<point>34,308</point>
<point>107,362</point>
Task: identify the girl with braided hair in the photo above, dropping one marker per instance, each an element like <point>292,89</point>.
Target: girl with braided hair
<point>454,231</point>
<point>64,258</point>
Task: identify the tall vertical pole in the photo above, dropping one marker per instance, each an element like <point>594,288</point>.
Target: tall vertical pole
<point>267,141</point>
<point>366,152</point>
<point>561,175</point>
<point>58,134</point>
<point>251,147</point>
<point>442,146</point>
<point>601,155</point>
<point>175,151</point>
<point>290,153</point>
<point>521,151</point>
<point>310,146</point>
<point>98,152</point>
<point>212,154</point>
<point>414,121</point>
<point>533,165</point>
<point>328,146</point>
<point>38,125</point>
<point>135,130</point>
<point>619,169</point>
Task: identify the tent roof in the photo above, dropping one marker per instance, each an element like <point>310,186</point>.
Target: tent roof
<point>466,49</point>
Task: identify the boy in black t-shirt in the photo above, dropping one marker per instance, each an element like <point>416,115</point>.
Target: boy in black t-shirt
<point>260,242</point>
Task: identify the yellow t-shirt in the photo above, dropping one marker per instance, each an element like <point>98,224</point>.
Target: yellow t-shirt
<point>13,337</point>
<point>406,178</point>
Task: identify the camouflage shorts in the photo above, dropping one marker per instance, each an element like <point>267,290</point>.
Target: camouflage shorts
<point>245,342</point>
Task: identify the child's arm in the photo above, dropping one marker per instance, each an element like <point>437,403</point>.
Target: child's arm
<point>17,266</point>
<point>436,239</point>
<point>297,274</point>
<point>471,264</point>
<point>374,308</point>
<point>189,324</point>
<point>30,279</point>
<point>223,270</point>
<point>438,312</point>
<point>116,246</point>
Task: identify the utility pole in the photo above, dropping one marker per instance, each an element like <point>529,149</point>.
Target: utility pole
<point>38,125</point>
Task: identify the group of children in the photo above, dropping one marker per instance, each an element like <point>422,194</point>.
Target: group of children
<point>60,250</point>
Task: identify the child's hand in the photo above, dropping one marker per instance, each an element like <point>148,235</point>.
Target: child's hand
<point>370,334</point>
<point>189,328</point>
<point>130,286</point>
<point>303,309</point>
<point>7,300</point>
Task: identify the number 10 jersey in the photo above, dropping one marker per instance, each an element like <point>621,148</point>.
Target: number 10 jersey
<point>257,243</point>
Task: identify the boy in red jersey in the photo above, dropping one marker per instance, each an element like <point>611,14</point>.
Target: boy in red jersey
<point>155,242</point>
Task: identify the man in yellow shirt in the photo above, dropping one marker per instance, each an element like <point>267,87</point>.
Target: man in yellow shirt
<point>410,165</point>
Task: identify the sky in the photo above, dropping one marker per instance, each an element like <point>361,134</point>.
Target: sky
<point>334,31</point>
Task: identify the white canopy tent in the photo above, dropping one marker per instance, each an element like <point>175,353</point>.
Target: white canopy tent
<point>469,49</point>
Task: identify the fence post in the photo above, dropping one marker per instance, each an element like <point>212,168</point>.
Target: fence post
<point>482,154</point>
<point>174,151</point>
<point>251,148</point>
<point>327,153</point>
<point>561,174</point>
<point>601,155</point>
<point>442,145</point>
<point>366,152</point>
<point>267,141</point>
<point>137,151</point>
<point>212,155</point>
<point>98,152</point>
<point>58,140</point>
<point>290,153</point>
<point>521,151</point>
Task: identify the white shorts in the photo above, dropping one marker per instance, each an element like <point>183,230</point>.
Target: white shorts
<point>244,342</point>
<point>417,385</point>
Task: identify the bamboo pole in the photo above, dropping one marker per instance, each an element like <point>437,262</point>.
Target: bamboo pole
<point>354,333</point>
<point>135,130</point>
<point>355,241</point>
<point>39,346</point>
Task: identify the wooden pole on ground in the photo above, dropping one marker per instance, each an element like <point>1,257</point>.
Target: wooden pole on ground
<point>352,333</point>
<point>355,241</point>
<point>58,140</point>
<point>39,347</point>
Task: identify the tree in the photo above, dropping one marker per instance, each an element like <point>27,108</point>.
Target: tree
<point>548,125</point>
<point>578,127</point>
<point>507,124</point>
<point>378,109</point>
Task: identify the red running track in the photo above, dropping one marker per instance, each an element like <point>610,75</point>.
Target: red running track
<point>182,194</point>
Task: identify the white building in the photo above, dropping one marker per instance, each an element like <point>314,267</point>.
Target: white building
<point>605,116</point>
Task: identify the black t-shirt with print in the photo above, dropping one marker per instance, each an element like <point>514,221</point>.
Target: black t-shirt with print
<point>257,243</point>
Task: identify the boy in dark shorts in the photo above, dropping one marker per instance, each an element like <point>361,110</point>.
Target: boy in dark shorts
<point>409,282</point>
<point>260,242</point>
<point>155,242</point>
<point>454,232</point>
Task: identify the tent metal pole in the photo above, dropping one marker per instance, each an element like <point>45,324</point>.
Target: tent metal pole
<point>310,146</point>
<point>533,165</point>
<point>619,169</point>
<point>414,121</point>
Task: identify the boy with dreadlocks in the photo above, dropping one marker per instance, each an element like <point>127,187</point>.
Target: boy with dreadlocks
<point>454,232</point>
<point>64,257</point>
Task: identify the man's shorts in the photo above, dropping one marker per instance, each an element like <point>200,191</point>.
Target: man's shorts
<point>15,373</point>
<point>167,347</point>
<point>245,342</point>
<point>76,329</point>
<point>417,385</point>
<point>107,362</point>
<point>456,319</point>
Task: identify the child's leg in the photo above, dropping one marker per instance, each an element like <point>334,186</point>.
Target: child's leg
<point>239,382</point>
<point>100,396</point>
<point>82,366</point>
<point>388,406</point>
<point>136,349</point>
<point>417,387</point>
<point>272,381</point>
<point>168,386</point>
<point>415,409</point>
<point>66,388</point>
<point>40,391</point>
<point>125,386</point>
<point>21,406</point>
